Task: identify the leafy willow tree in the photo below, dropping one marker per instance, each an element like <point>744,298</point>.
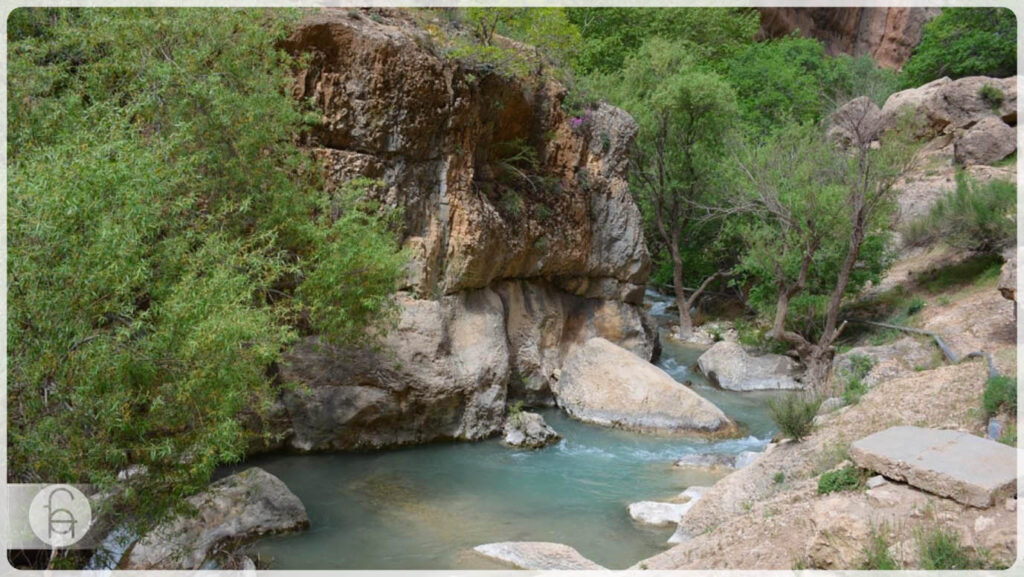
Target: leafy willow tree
<point>612,34</point>
<point>791,79</point>
<point>814,220</point>
<point>167,238</point>
<point>964,42</point>
<point>685,115</point>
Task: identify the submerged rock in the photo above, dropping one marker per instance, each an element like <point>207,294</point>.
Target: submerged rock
<point>529,431</point>
<point>706,462</point>
<point>538,556</point>
<point>234,509</point>
<point>965,468</point>
<point>604,384</point>
<point>734,369</point>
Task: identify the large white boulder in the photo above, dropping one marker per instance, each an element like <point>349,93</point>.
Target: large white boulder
<point>734,369</point>
<point>605,384</point>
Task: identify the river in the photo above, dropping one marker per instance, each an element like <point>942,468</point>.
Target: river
<point>426,507</point>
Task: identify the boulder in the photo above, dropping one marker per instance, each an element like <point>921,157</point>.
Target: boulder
<point>968,469</point>
<point>855,123</point>
<point>544,324</point>
<point>887,361</point>
<point>986,142</point>
<point>538,556</point>
<point>944,105</point>
<point>529,431</point>
<point>1008,276</point>
<point>603,383</point>
<point>234,509</point>
<point>664,514</point>
<point>733,369</point>
<point>441,373</point>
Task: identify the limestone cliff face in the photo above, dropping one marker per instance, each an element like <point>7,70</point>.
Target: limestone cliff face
<point>889,35</point>
<point>515,263</point>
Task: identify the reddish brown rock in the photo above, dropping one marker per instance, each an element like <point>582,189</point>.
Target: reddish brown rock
<point>889,35</point>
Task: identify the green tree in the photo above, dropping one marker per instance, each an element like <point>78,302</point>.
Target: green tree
<point>792,80</point>
<point>964,42</point>
<point>815,223</point>
<point>685,116</point>
<point>611,35</point>
<point>166,240</point>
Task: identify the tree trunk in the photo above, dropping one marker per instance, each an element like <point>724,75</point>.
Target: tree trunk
<point>818,363</point>
<point>685,321</point>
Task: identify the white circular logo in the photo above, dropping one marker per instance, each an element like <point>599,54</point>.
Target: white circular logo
<point>60,515</point>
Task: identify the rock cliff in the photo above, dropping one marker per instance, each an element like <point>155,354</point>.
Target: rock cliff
<point>889,35</point>
<point>524,239</point>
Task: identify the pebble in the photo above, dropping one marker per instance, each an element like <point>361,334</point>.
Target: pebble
<point>1011,504</point>
<point>876,481</point>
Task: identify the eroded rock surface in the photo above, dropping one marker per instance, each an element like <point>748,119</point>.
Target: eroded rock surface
<point>605,384</point>
<point>441,373</point>
<point>234,509</point>
<point>510,270</point>
<point>734,369</point>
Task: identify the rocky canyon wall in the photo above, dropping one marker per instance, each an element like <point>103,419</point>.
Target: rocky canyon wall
<point>888,35</point>
<point>523,237</point>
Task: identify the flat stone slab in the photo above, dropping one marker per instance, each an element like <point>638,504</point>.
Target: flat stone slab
<point>968,469</point>
<point>538,556</point>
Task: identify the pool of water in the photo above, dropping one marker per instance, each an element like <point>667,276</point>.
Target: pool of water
<point>426,507</point>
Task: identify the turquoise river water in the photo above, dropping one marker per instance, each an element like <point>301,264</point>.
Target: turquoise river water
<point>426,507</point>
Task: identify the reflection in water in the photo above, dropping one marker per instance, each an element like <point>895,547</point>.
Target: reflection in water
<point>426,507</point>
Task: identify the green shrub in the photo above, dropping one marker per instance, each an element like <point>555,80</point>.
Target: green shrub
<point>1009,436</point>
<point>876,553</point>
<point>915,306</point>
<point>992,96</point>
<point>940,549</point>
<point>794,414</point>
<point>1000,395</point>
<point>975,217</point>
<point>853,391</point>
<point>845,479</point>
<point>779,478</point>
<point>964,42</point>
